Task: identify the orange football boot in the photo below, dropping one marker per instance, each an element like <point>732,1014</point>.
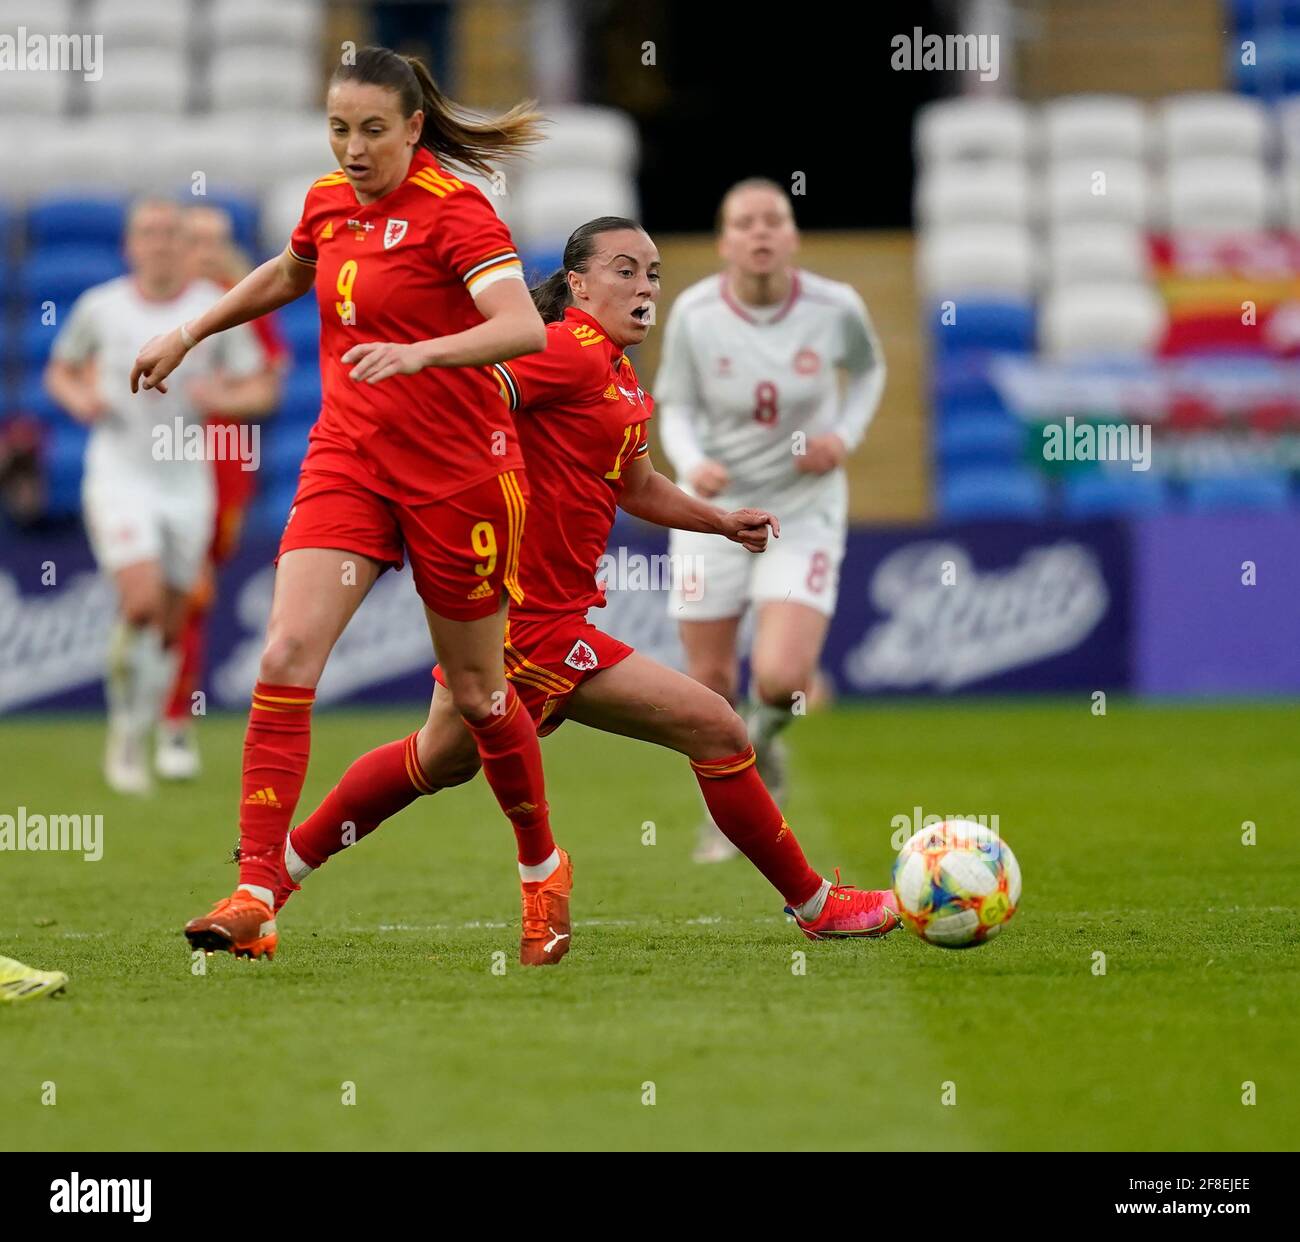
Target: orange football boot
<point>238,924</point>
<point>852,913</point>
<point>545,937</point>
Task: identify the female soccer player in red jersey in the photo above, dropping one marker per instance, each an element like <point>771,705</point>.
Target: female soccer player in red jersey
<point>583,422</point>
<point>414,452</point>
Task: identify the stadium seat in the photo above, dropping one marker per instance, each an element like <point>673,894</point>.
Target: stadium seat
<point>288,446</point>
<point>1225,193</point>
<point>967,192</point>
<point>986,437</point>
<point>1102,319</point>
<point>140,81</point>
<point>271,507</point>
<point>301,332</point>
<point>587,137</point>
<point>132,24</point>
<point>63,459</point>
<point>1107,493</point>
<point>1212,123</point>
<point>63,274</point>
<point>976,258</point>
<point>35,341</point>
<point>1005,324</point>
<point>34,94</point>
<point>80,220</point>
<point>1111,190</point>
<point>256,24</point>
<point>992,492</point>
<point>1081,252</point>
<point>300,396</point>
<point>247,80</point>
<point>972,129</point>
<point>1095,127</point>
<point>34,400</point>
<point>553,201</point>
<point>1269,491</point>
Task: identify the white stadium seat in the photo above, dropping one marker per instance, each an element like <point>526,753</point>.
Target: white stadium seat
<point>1097,190</point>
<point>1223,194</point>
<point>33,95</point>
<point>255,79</point>
<point>140,23</point>
<point>582,137</point>
<point>968,192</point>
<point>40,17</point>
<point>141,82</point>
<point>1090,126</point>
<point>552,203</point>
<point>976,258</point>
<point>261,24</point>
<point>1287,113</point>
<point>1213,123</point>
<point>1113,319</point>
<point>1290,193</point>
<point>1084,253</point>
<point>962,129</point>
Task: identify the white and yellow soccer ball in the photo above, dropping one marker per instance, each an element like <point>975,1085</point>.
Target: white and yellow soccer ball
<point>957,884</point>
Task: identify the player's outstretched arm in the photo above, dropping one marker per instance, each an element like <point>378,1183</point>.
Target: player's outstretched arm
<point>266,288</point>
<point>650,496</point>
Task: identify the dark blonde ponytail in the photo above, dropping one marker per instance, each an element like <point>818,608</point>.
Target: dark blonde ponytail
<point>455,135</point>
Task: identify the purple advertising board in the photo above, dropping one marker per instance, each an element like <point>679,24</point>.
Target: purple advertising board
<point>984,608</point>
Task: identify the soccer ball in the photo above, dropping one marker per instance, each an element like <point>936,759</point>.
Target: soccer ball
<point>957,884</point>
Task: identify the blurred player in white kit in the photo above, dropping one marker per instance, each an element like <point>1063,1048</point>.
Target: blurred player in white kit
<point>147,491</point>
<point>769,378</point>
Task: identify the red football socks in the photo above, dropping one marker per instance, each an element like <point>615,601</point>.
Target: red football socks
<point>189,674</point>
<point>375,787</point>
<point>743,809</point>
<point>512,763</point>
<point>276,748</point>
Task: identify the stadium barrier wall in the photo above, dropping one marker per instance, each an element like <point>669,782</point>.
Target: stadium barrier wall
<point>1176,604</point>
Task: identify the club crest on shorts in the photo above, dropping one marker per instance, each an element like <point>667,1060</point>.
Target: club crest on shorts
<point>394,231</point>
<point>581,657</point>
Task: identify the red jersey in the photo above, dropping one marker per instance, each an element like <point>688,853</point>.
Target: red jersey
<point>582,419</point>
<point>403,269</point>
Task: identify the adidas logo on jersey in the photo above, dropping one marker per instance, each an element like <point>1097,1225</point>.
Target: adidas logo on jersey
<point>262,797</point>
<point>482,591</point>
<point>328,231</point>
<point>611,393</point>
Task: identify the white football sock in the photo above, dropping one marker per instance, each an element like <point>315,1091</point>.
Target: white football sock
<point>264,895</point>
<point>814,905</point>
<point>535,874</point>
<point>293,863</point>
<point>766,721</point>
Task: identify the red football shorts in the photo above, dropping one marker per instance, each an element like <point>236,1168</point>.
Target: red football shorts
<point>548,658</point>
<point>464,549</point>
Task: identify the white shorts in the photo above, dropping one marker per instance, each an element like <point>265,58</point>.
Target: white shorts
<point>719,579</point>
<point>131,520</point>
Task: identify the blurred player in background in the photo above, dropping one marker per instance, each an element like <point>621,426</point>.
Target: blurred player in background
<point>769,378</point>
<point>414,454</point>
<point>147,498</point>
<point>211,254</point>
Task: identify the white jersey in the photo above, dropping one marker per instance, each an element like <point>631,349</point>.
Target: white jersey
<point>108,325</point>
<point>746,386</point>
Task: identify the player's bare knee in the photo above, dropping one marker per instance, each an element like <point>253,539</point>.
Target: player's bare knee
<point>288,661</point>
<point>778,689</point>
<point>717,730</point>
<point>476,697</point>
<point>718,677</point>
<point>141,610</point>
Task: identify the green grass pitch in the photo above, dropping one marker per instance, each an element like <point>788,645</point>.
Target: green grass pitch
<point>1128,828</point>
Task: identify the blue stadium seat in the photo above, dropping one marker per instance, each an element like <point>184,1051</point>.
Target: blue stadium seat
<point>302,335</point>
<point>76,220</point>
<point>1105,493</point>
<point>65,452</point>
<point>62,275</point>
<point>980,434</point>
<point>34,400</point>
<point>999,324</point>
<point>541,263</point>
<point>1265,491</point>
<point>1248,14</point>
<point>286,448</point>
<point>993,492</point>
<point>300,396</point>
<point>34,340</point>
<point>271,507</point>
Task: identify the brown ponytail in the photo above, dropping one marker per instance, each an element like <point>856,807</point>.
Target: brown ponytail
<point>551,297</point>
<point>452,133</point>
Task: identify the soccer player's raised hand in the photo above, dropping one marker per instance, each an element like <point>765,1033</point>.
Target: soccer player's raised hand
<point>709,478</point>
<point>377,360</point>
<point>748,527</point>
<point>157,360</point>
